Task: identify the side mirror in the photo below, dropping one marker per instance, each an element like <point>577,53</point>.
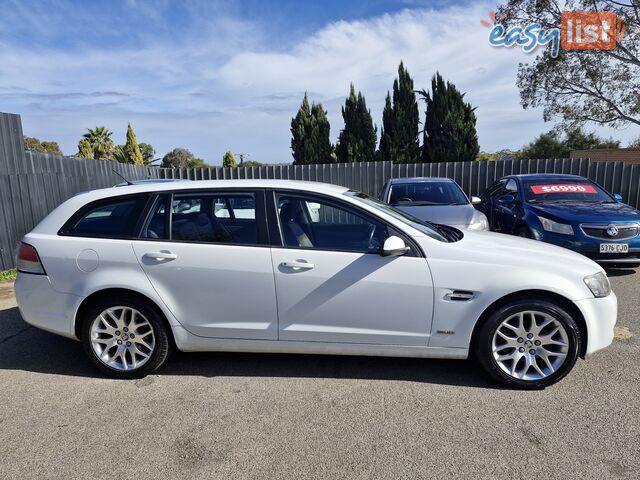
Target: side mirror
<point>475,200</point>
<point>618,197</point>
<point>394,247</point>
<point>506,199</point>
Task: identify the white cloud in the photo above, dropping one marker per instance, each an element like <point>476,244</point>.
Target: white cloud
<point>221,85</point>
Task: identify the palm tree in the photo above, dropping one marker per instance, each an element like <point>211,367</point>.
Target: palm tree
<point>119,154</point>
<point>100,140</point>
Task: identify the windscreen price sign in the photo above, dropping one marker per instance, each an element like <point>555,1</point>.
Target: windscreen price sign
<point>563,188</point>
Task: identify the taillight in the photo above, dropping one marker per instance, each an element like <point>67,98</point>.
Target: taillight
<point>29,261</point>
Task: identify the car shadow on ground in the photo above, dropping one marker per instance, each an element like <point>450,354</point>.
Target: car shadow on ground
<point>26,348</point>
<point>619,272</point>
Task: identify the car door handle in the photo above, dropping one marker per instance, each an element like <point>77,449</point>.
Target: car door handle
<point>298,265</point>
<point>163,255</point>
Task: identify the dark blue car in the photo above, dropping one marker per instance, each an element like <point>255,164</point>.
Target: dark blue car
<point>566,210</point>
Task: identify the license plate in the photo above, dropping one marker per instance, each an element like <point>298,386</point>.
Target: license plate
<point>614,248</point>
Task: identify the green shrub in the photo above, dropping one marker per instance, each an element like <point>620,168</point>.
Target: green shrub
<point>8,275</point>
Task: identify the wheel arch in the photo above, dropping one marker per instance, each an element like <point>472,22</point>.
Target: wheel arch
<point>521,223</point>
<point>553,297</point>
<point>109,292</point>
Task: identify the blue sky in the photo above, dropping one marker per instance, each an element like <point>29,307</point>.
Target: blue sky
<point>217,75</point>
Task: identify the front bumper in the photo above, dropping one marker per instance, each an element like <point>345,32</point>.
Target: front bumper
<point>600,316</point>
<point>590,247</point>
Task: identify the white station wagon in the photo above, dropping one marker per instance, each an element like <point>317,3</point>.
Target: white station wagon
<point>282,266</point>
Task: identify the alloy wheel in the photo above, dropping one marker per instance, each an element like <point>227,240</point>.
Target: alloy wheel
<point>122,338</point>
<point>530,345</point>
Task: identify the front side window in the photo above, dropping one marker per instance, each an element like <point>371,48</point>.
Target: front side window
<point>206,217</point>
<point>320,224</point>
<point>116,218</point>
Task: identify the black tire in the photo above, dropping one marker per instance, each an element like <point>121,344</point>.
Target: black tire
<point>524,232</point>
<point>483,344</point>
<point>162,347</point>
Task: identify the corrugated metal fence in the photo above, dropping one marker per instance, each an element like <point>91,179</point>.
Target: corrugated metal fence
<point>473,177</point>
<point>32,184</point>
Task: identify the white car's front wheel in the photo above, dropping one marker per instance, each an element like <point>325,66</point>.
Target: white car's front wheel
<point>528,344</point>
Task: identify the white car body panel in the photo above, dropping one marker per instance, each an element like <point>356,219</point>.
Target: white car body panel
<point>235,298</point>
<point>207,287</point>
<point>353,298</point>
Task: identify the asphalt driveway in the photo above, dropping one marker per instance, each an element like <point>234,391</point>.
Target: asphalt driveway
<point>275,416</point>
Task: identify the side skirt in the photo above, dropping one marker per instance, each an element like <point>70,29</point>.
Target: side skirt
<point>188,342</point>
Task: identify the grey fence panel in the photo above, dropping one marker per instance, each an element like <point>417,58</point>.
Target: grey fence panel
<point>473,177</point>
<point>32,183</point>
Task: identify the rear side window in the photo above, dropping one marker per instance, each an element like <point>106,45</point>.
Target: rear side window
<point>116,217</point>
<point>205,217</point>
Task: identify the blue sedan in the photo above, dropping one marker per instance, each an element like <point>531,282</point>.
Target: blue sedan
<point>566,210</point>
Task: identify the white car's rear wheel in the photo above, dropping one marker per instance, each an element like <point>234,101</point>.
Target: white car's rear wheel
<point>125,337</point>
<point>528,344</point>
<point>122,338</point>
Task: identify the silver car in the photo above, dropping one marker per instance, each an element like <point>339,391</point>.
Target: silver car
<point>436,200</point>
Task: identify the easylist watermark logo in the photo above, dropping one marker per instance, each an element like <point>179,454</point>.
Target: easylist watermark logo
<point>577,31</point>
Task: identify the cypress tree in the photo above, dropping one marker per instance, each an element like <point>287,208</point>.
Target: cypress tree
<point>357,141</point>
<point>399,141</point>
<point>131,148</point>
<point>450,124</point>
<point>84,149</point>
<point>322,150</point>
<point>301,128</point>
<point>388,127</point>
<point>310,130</point>
<point>229,160</point>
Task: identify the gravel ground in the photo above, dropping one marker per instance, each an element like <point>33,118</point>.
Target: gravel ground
<point>277,416</point>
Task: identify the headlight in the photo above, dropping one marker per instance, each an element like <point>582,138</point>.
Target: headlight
<point>479,221</point>
<point>599,284</point>
<point>555,227</point>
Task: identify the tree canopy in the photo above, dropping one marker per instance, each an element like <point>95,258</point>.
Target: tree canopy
<point>450,124</point>
<point>552,144</point>
<point>399,140</point>
<point>229,160</point>
<point>310,131</point>
<point>100,141</point>
<point>182,158</point>
<point>148,152</point>
<point>84,149</point>
<point>581,86</point>
<point>32,143</point>
<point>177,158</point>
<point>357,141</point>
<point>132,149</point>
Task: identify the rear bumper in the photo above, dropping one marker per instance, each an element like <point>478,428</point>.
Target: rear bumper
<point>43,307</point>
<point>600,315</point>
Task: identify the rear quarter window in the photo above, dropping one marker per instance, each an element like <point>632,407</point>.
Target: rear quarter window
<point>114,217</point>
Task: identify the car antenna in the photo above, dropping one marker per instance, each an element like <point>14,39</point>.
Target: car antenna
<point>129,182</point>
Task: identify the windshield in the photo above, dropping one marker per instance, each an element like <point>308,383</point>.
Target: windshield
<point>427,193</point>
<point>424,227</point>
<point>562,190</point>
